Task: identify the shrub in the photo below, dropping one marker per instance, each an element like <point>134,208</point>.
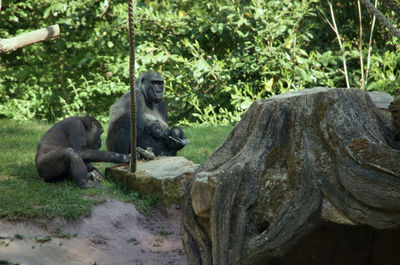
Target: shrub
<point>216,56</point>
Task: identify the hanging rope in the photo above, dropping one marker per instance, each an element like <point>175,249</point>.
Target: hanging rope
<point>132,164</point>
<point>381,17</point>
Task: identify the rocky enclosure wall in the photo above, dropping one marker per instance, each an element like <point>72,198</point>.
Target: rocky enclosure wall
<point>293,164</point>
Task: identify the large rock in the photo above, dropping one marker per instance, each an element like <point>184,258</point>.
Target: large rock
<point>161,177</point>
<point>299,172</point>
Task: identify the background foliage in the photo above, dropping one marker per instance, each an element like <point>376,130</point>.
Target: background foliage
<point>216,56</point>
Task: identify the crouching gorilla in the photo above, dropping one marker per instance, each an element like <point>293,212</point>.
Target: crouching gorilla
<point>67,149</point>
<point>152,130</point>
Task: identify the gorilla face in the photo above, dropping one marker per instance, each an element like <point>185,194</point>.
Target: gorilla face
<point>156,89</point>
<point>93,134</point>
<point>153,85</point>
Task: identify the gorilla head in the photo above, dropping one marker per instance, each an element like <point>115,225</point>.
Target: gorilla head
<point>152,86</point>
<point>93,131</point>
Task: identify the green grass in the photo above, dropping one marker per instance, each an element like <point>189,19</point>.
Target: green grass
<point>202,141</point>
<point>6,262</point>
<point>23,194</point>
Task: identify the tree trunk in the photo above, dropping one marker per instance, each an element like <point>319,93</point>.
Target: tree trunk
<point>293,163</point>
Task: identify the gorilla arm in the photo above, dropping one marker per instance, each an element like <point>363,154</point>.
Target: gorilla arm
<point>91,155</point>
<point>77,141</point>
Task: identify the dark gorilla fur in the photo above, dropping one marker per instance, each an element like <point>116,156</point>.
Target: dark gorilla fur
<point>152,130</point>
<point>173,141</point>
<point>67,149</point>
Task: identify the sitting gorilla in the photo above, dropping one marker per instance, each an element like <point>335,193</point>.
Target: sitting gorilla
<point>67,149</point>
<point>152,130</point>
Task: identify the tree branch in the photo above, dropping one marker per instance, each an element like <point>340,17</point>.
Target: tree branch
<point>381,17</point>
<point>25,39</point>
<point>346,76</point>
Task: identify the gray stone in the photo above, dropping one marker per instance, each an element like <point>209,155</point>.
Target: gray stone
<point>381,99</point>
<point>162,177</point>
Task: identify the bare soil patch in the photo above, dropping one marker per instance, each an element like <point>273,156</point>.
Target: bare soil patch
<point>114,233</point>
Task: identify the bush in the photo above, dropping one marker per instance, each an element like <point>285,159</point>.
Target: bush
<point>216,56</point>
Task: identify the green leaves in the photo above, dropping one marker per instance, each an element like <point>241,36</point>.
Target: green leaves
<point>216,57</point>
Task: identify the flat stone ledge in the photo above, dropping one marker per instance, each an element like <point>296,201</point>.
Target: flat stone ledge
<point>162,177</point>
<point>381,99</point>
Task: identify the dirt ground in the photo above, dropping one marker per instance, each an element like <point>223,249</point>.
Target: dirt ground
<point>115,233</point>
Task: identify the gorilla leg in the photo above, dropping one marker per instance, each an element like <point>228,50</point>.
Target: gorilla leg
<point>54,165</point>
<point>78,168</point>
<point>63,163</point>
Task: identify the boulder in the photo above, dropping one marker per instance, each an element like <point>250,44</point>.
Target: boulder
<point>301,173</point>
<point>161,177</point>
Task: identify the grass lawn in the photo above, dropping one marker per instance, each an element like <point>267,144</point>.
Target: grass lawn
<point>23,194</point>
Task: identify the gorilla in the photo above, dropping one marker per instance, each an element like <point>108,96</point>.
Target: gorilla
<point>171,141</point>
<point>67,149</point>
<point>152,130</point>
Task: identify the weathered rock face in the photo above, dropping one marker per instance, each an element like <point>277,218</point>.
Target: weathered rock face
<point>294,164</point>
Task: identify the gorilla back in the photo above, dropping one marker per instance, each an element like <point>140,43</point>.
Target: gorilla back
<point>152,130</point>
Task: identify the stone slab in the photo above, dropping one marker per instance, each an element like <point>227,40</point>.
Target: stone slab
<point>162,177</point>
<point>381,99</point>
